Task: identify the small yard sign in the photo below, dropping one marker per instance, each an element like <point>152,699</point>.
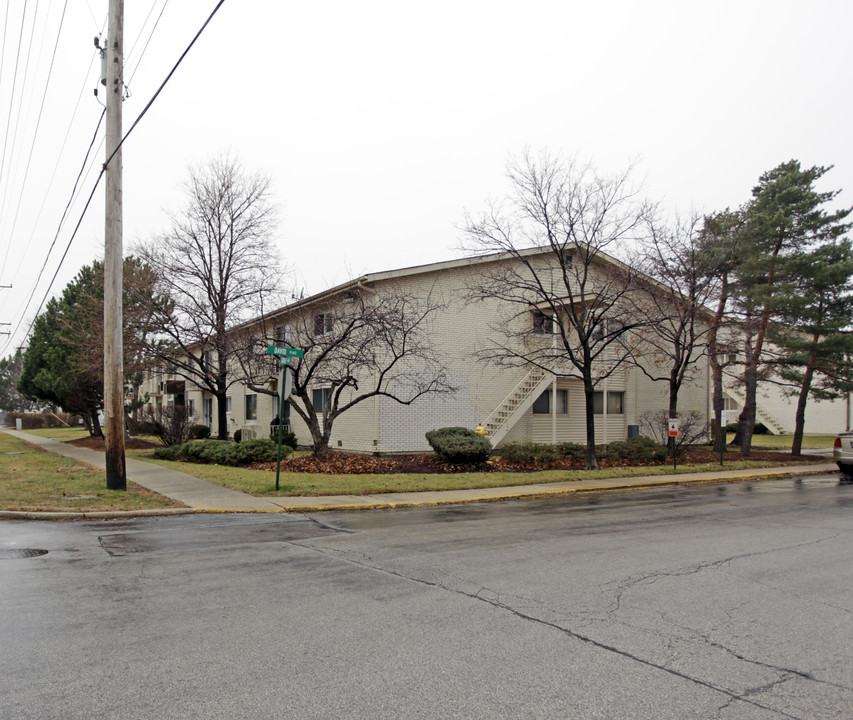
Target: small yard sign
<point>673,427</point>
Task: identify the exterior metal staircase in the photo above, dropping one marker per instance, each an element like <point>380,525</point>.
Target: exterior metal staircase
<point>762,416</point>
<point>514,405</point>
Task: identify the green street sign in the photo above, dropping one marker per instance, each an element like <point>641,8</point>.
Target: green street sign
<point>285,352</point>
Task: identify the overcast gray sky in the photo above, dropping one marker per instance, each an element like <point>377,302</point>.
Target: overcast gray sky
<point>381,122</point>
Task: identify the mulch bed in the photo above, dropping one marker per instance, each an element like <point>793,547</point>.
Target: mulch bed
<point>345,464</point>
<point>97,443</point>
<point>338,463</point>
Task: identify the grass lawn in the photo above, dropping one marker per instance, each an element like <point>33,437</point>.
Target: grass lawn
<point>64,434</point>
<point>32,479</point>
<point>259,482</point>
<point>783,442</point>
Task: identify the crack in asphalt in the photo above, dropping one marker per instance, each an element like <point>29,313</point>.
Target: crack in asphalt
<point>493,599</point>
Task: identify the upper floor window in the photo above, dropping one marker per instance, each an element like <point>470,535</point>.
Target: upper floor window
<point>280,333</point>
<point>542,324</point>
<point>323,323</point>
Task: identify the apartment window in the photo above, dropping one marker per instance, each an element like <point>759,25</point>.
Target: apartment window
<point>607,329</point>
<point>251,407</point>
<point>190,408</point>
<point>542,324</point>
<point>280,334</point>
<point>615,403</point>
<point>542,404</point>
<point>228,404</point>
<point>319,398</point>
<point>323,323</point>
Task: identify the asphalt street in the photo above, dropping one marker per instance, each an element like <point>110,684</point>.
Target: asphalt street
<point>723,601</point>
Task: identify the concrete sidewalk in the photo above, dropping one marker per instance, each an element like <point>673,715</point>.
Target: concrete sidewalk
<point>202,496</point>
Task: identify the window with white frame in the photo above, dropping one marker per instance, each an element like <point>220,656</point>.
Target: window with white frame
<point>251,407</point>
<point>542,404</point>
<point>323,324</point>
<point>228,404</point>
<point>615,403</point>
<point>543,324</point>
<point>319,398</point>
<point>190,408</point>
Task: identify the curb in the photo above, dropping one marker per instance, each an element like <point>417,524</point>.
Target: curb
<point>93,515</point>
<point>649,485</point>
<point>283,507</point>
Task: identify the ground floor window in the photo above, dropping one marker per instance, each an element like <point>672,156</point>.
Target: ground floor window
<point>251,407</point>
<point>228,403</point>
<point>542,404</point>
<point>319,398</point>
<point>615,403</point>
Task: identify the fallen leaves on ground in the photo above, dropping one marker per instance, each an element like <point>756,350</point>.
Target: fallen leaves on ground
<point>339,463</point>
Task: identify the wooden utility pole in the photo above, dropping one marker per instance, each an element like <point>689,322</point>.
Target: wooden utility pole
<point>113,257</point>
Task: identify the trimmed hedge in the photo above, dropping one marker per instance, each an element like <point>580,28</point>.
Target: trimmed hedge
<point>459,445</point>
<point>199,432</point>
<point>637,450</point>
<point>223,452</point>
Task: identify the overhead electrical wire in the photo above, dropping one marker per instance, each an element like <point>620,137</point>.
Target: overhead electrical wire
<point>98,180</point>
<point>35,137</point>
<point>12,94</point>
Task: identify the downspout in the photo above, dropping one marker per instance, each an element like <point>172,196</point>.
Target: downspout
<point>554,411</point>
<point>375,423</point>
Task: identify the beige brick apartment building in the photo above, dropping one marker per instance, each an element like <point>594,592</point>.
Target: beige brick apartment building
<point>514,404</point>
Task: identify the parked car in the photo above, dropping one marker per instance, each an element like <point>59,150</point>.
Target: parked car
<point>842,452</point>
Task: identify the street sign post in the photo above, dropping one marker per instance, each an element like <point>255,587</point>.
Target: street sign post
<point>673,433</point>
<point>284,355</point>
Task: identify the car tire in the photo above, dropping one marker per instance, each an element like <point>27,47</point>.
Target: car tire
<point>845,468</point>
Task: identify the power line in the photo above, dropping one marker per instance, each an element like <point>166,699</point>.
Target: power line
<point>103,169</point>
<point>35,136</point>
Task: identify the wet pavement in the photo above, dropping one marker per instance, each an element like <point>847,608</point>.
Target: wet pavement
<point>727,601</point>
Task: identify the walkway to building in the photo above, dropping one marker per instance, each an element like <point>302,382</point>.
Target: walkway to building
<point>203,496</point>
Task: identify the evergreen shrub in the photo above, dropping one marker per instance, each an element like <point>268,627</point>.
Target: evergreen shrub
<point>199,432</point>
<point>459,445</point>
<point>223,452</point>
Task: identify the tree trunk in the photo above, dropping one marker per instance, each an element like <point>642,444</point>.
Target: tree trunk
<point>800,417</point>
<point>96,425</point>
<point>221,407</point>
<point>591,459</point>
<point>718,402</point>
<point>746,421</point>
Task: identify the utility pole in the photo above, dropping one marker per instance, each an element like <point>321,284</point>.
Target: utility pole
<point>113,256</point>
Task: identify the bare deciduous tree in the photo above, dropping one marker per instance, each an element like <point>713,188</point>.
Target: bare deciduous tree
<point>217,266</point>
<point>359,344</point>
<point>685,269</point>
<point>566,302</point>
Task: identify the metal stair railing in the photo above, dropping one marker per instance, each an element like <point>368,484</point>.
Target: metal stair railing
<point>514,405</point>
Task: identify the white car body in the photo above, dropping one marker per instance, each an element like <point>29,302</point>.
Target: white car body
<point>842,452</point>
